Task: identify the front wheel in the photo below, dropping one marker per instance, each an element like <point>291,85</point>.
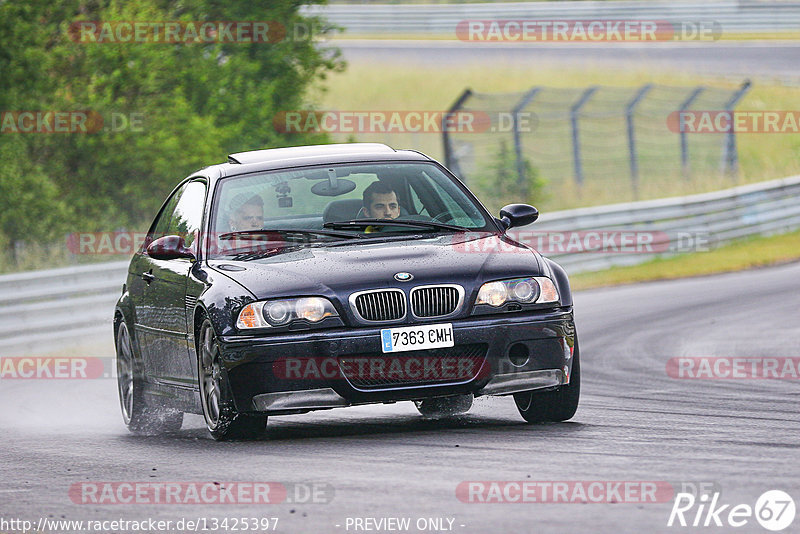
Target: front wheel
<point>219,411</point>
<point>554,405</point>
<point>139,416</point>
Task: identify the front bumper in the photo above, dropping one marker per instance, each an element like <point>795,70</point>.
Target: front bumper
<point>539,343</point>
<point>325,398</point>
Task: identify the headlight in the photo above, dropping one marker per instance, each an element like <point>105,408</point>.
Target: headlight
<point>493,294</point>
<point>283,312</point>
<point>533,290</point>
<point>549,293</point>
<point>278,312</point>
<point>312,309</point>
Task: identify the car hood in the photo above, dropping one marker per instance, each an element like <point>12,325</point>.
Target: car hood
<point>339,269</point>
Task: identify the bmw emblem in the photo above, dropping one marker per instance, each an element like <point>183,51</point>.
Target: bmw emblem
<point>403,277</point>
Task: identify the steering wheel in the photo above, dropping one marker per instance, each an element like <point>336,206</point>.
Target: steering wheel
<point>443,217</point>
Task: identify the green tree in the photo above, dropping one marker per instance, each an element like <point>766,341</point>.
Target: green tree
<point>191,104</point>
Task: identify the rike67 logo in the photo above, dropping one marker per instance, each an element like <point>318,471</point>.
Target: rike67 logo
<point>774,510</point>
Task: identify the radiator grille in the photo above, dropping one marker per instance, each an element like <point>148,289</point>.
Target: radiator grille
<point>381,305</point>
<point>435,301</point>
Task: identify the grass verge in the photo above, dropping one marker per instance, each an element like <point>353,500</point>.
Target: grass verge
<point>736,256</point>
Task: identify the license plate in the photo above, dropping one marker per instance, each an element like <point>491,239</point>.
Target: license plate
<point>431,336</point>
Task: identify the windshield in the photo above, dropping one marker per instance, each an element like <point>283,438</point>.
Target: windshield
<point>271,210</point>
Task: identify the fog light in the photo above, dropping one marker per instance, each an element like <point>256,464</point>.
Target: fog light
<point>518,354</point>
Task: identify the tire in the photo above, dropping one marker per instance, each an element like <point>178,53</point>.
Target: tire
<point>554,405</point>
<point>219,411</point>
<point>139,416</point>
<point>444,406</point>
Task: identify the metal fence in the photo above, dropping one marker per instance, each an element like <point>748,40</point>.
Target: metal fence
<point>732,16</point>
<point>589,136</point>
<point>63,308</point>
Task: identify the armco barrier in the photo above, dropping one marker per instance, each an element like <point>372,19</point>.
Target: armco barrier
<point>56,308</point>
<point>59,307</point>
<point>756,209</point>
<point>733,16</point>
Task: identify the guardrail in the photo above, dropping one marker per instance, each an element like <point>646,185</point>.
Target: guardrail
<point>732,16</point>
<point>56,308</point>
<point>710,218</point>
<point>62,308</point>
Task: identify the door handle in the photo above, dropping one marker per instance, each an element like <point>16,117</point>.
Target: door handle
<point>148,276</point>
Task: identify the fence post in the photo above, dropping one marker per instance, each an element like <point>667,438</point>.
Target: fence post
<point>629,111</point>
<point>730,158</point>
<point>522,179</point>
<point>576,148</point>
<point>449,158</point>
<point>684,141</point>
<point>19,248</point>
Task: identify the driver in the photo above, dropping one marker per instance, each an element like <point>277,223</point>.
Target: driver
<point>380,201</point>
<point>247,213</point>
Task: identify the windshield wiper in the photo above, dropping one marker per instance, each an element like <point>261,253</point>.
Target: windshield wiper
<point>258,254</point>
<point>289,231</point>
<point>358,223</point>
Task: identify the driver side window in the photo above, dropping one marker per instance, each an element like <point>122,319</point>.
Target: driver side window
<point>188,214</point>
<point>182,214</point>
<point>161,224</point>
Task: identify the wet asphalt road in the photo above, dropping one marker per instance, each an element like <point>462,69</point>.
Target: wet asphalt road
<point>635,423</point>
<point>771,59</point>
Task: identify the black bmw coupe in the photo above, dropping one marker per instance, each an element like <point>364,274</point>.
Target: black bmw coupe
<point>317,277</point>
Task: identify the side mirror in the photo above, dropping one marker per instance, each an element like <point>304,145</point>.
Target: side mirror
<point>169,247</point>
<point>518,215</point>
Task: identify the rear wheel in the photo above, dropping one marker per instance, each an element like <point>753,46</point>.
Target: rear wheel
<point>444,406</point>
<point>139,416</point>
<point>554,405</point>
<point>219,411</point>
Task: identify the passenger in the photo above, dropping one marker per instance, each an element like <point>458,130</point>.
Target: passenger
<point>247,213</point>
